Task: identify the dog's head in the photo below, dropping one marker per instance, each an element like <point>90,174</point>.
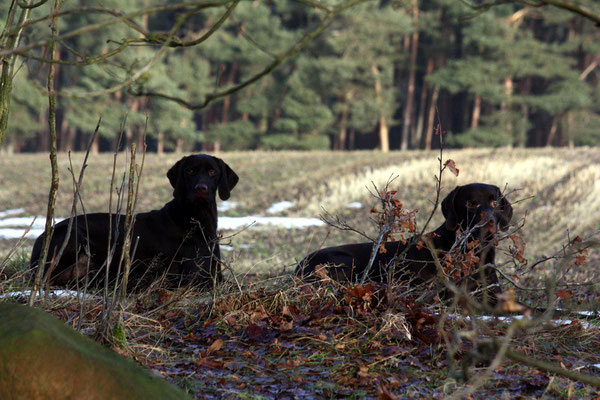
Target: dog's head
<point>477,204</point>
<point>197,178</point>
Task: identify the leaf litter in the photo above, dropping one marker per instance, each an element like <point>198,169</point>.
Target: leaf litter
<point>295,340</point>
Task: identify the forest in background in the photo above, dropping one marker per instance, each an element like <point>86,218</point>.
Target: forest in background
<point>383,74</point>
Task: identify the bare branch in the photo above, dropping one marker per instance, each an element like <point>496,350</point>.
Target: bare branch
<point>267,70</point>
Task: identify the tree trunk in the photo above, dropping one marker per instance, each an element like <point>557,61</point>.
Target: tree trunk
<point>423,104</point>
<point>340,140</point>
<point>568,133</point>
<point>160,143</point>
<point>384,138</point>
<point>68,138</point>
<point>431,117</point>
<point>43,136</point>
<point>521,140</point>
<point>179,146</point>
<point>507,105</point>
<point>476,112</point>
<point>410,90</point>
<point>94,147</point>
<point>135,106</point>
<point>227,99</point>
<point>552,133</point>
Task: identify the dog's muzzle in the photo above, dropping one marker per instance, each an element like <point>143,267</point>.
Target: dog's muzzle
<point>201,190</point>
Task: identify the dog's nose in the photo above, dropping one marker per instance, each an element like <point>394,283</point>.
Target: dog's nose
<point>201,187</point>
<point>490,225</point>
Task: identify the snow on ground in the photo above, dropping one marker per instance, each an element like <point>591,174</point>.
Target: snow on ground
<point>15,211</point>
<point>226,205</point>
<point>16,233</point>
<point>67,294</point>
<point>233,223</point>
<point>14,227</point>
<point>354,204</point>
<point>276,208</point>
<point>39,222</point>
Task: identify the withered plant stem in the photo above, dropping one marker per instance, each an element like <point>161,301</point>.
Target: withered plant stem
<point>38,283</point>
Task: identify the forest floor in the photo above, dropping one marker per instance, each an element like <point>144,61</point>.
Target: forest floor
<point>273,337</point>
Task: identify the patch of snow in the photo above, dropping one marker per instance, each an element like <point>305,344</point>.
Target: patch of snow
<point>16,233</point>
<point>584,324</point>
<point>18,225</point>
<point>40,222</point>
<point>227,247</point>
<point>354,204</point>
<point>276,208</point>
<point>66,294</point>
<point>15,211</point>
<point>226,205</point>
<point>232,223</point>
<point>585,313</point>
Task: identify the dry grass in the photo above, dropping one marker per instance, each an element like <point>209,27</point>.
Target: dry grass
<point>560,189</point>
<point>320,341</point>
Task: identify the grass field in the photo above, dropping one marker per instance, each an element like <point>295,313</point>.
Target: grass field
<point>557,192</point>
<point>555,195</point>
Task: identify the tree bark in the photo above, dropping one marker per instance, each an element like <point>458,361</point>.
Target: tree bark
<point>8,63</point>
<point>423,104</point>
<point>39,281</point>
<point>476,112</point>
<point>410,90</point>
<point>384,138</point>
<point>506,105</point>
<point>552,132</point>
<point>95,147</point>
<point>179,146</point>
<point>521,140</point>
<point>340,140</point>
<point>431,117</point>
<point>160,143</point>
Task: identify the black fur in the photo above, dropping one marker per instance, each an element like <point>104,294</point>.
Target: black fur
<point>178,241</point>
<point>465,207</point>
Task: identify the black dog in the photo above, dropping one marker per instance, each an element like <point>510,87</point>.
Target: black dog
<point>477,207</point>
<point>178,241</point>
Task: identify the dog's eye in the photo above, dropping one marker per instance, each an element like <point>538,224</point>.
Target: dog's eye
<point>493,204</point>
<point>472,204</point>
<point>212,172</point>
<point>190,171</point>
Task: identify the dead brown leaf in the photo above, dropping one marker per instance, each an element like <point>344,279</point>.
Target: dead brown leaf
<point>507,302</point>
<point>383,393</point>
<point>519,248</point>
<point>215,346</point>
<point>451,165</point>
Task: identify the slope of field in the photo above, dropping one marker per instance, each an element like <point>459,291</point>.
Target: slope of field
<point>556,192</point>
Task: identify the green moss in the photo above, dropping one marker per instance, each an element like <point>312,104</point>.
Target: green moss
<point>42,358</point>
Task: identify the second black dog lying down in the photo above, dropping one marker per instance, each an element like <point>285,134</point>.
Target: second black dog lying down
<point>477,206</point>
<point>178,241</point>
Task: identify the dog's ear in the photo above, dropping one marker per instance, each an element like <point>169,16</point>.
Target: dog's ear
<point>505,212</point>
<point>449,210</point>
<point>174,174</point>
<point>227,180</point>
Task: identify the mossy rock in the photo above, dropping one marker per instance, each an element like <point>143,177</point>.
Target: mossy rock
<point>42,358</point>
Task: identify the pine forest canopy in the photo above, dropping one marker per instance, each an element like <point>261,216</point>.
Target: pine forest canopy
<point>311,75</point>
